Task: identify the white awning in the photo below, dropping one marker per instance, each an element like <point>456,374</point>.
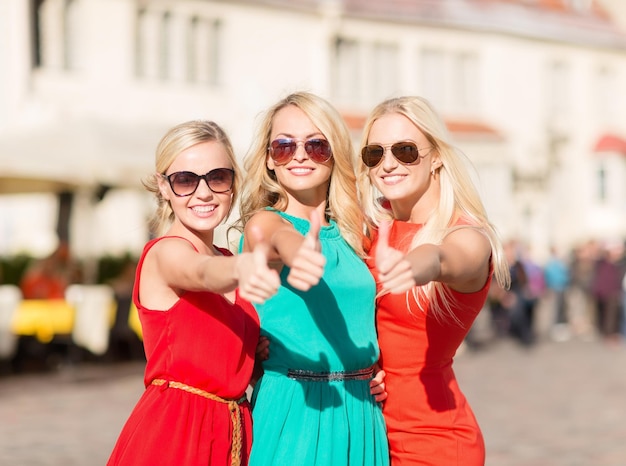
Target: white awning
<point>76,153</point>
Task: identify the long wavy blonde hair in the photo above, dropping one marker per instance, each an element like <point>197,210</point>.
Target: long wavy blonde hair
<point>459,196</point>
<point>262,190</point>
<point>179,138</point>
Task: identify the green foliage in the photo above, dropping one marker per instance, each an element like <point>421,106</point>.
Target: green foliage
<point>12,268</point>
<point>110,267</point>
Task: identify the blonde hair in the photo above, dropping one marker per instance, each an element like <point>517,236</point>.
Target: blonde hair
<point>263,190</point>
<point>178,139</point>
<point>459,196</point>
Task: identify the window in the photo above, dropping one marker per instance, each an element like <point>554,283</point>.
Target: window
<point>602,184</point>
<point>51,16</point>
<point>164,41</point>
<point>431,69</point>
<point>203,51</point>
<point>173,47</point>
<point>72,23</point>
<point>35,26</point>
<point>383,77</point>
<point>605,91</point>
<point>55,31</point>
<point>465,82</point>
<point>346,70</point>
<point>148,58</point>
<point>557,92</point>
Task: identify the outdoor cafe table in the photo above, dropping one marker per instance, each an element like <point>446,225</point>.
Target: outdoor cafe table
<point>46,318</point>
<point>43,319</point>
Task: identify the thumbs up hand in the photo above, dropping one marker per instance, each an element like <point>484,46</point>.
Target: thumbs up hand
<point>257,281</point>
<point>308,264</point>
<point>395,273</point>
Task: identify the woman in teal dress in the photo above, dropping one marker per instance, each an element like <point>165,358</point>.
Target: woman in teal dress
<point>313,406</point>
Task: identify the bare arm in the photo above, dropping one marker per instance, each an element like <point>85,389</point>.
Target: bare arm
<point>181,267</point>
<point>173,266</point>
<point>461,261</point>
<point>288,247</point>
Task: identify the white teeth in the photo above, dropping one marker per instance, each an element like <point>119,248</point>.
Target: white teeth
<point>393,179</point>
<point>204,209</point>
<point>301,171</point>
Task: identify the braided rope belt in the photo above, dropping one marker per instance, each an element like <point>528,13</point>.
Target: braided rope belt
<point>233,407</point>
<point>361,374</point>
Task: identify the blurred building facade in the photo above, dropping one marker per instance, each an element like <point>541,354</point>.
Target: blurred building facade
<point>532,91</point>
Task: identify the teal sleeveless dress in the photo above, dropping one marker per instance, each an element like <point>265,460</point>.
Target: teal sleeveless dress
<point>302,416</point>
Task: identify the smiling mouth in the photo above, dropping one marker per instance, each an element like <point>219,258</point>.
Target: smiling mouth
<point>203,209</point>
<point>392,179</point>
<point>301,170</point>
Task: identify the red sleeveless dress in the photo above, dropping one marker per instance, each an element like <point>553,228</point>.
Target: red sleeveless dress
<point>429,421</point>
<point>204,342</point>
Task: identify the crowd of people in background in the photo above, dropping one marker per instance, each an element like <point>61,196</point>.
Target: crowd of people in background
<point>580,293</point>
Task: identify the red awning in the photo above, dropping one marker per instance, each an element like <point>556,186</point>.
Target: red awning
<point>356,122</point>
<point>611,143</point>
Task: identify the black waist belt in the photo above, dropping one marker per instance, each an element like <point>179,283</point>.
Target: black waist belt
<point>361,374</point>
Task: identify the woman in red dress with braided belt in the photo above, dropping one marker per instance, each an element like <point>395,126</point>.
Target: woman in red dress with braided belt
<point>200,332</point>
<point>433,256</point>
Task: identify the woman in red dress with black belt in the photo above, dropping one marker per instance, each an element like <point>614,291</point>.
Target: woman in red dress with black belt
<point>433,257</point>
<point>200,332</point>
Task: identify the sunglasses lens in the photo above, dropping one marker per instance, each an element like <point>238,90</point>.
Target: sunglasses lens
<point>184,183</point>
<point>372,155</point>
<point>405,152</point>
<point>220,180</point>
<point>282,150</point>
<point>318,150</point>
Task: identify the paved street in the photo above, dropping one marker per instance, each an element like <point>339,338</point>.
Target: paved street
<point>558,404</point>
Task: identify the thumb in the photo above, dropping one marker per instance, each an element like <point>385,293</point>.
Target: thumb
<point>312,237</point>
<point>382,245</point>
<point>261,248</point>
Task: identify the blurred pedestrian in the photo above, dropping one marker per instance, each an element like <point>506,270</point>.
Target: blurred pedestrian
<point>200,332</point>
<point>606,289</point>
<point>519,299</point>
<point>580,302</point>
<point>499,303</point>
<point>124,343</point>
<point>556,274</point>
<point>49,277</point>
<point>623,322</point>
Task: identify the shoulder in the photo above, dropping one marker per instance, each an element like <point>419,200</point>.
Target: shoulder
<point>265,222</point>
<point>266,219</point>
<point>470,237</point>
<point>172,241</point>
<point>466,252</point>
<point>169,246</point>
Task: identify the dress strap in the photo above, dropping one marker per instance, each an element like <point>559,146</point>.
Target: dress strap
<point>233,407</point>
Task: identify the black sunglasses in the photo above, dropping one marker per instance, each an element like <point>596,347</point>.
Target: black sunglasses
<point>405,152</point>
<point>282,150</point>
<point>219,180</point>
